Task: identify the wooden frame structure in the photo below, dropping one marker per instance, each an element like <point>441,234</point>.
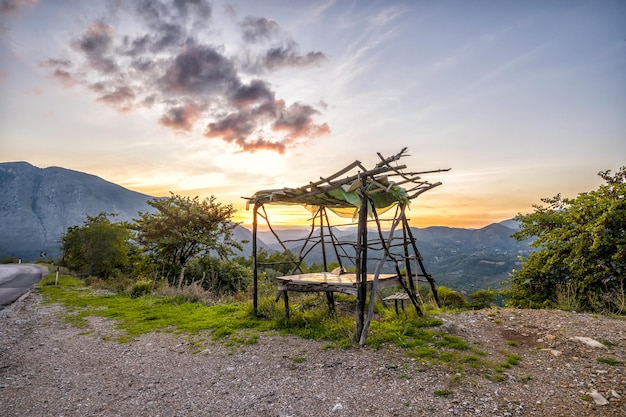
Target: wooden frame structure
<point>361,196</point>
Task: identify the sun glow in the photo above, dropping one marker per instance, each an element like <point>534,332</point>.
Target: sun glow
<point>278,215</point>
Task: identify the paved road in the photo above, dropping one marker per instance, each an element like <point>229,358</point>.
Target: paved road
<point>16,280</point>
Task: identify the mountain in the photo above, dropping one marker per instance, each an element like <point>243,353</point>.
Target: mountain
<point>39,204</point>
<point>463,259</point>
<point>471,259</point>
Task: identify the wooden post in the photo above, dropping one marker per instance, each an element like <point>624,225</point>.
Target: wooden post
<point>407,261</point>
<point>418,257</point>
<point>379,267</point>
<point>330,298</point>
<point>255,272</point>
<point>286,299</point>
<point>361,261</point>
<point>334,246</point>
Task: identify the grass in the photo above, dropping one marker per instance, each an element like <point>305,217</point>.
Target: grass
<point>136,316</point>
<point>610,361</point>
<point>234,324</point>
<point>442,393</point>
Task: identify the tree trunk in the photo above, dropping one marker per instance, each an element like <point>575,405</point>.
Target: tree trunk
<point>180,278</point>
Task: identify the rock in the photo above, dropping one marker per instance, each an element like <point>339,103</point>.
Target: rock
<point>589,342</point>
<point>615,394</point>
<point>337,408</point>
<point>451,328</point>
<point>553,352</point>
<point>598,398</point>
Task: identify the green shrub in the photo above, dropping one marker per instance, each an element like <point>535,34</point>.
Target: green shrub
<point>450,298</point>
<point>140,288</point>
<point>482,298</point>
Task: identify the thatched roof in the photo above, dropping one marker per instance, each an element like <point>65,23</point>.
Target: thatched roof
<point>386,185</point>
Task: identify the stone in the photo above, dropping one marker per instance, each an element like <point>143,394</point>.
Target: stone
<point>553,352</point>
<point>598,398</point>
<point>337,408</point>
<point>589,342</point>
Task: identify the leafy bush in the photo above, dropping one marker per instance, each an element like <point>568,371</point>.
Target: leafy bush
<point>224,276</point>
<point>579,262</point>
<point>450,298</point>
<point>482,298</point>
<point>140,288</point>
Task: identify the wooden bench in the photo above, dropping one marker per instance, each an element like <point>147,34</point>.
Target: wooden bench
<point>399,296</point>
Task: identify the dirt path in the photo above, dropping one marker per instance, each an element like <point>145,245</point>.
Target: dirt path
<point>49,368</point>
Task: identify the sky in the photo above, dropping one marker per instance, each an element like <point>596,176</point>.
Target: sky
<point>521,99</point>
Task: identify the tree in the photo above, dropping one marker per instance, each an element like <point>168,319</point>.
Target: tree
<point>581,249</point>
<point>96,248</point>
<point>182,228</point>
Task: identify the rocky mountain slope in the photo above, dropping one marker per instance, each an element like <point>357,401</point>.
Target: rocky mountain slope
<point>39,204</point>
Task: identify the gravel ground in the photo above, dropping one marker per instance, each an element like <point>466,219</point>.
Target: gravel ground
<point>49,368</point>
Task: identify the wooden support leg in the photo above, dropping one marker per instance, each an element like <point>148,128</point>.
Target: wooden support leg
<point>330,298</point>
<point>286,299</point>
<point>395,302</point>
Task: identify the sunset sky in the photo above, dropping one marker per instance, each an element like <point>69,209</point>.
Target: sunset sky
<point>522,99</point>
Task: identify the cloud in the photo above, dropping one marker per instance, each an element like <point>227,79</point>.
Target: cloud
<point>181,117</point>
<point>13,6</point>
<point>64,77</point>
<point>287,56</point>
<point>257,107</point>
<point>169,63</point>
<point>256,29</point>
<point>282,53</point>
<point>36,91</point>
<point>199,69</point>
<point>256,91</point>
<point>10,8</point>
<point>121,96</point>
<point>96,44</point>
<point>297,121</point>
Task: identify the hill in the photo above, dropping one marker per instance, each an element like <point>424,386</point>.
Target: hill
<point>39,204</point>
<point>464,259</point>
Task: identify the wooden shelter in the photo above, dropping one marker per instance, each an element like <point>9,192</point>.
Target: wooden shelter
<point>361,195</point>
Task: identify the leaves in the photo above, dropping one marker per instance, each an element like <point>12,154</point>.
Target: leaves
<point>182,228</point>
<point>96,248</point>
<point>581,243</point>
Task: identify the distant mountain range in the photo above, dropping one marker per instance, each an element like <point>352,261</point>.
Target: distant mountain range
<point>463,259</point>
<point>39,204</point>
